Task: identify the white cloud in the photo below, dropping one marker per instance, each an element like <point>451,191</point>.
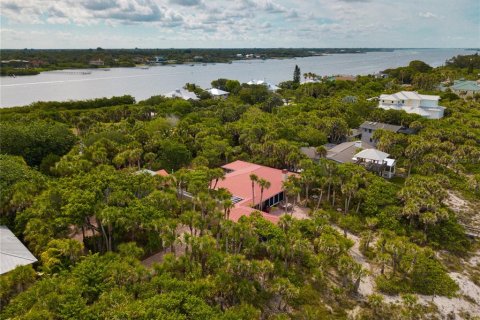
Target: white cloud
<point>325,23</point>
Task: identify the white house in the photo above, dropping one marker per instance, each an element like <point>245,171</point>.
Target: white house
<point>183,94</point>
<point>217,93</point>
<point>269,86</point>
<point>412,102</point>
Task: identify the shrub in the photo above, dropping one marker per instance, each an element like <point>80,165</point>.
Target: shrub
<point>392,286</point>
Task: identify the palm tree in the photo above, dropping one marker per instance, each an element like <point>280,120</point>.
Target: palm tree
<point>253,178</point>
<point>264,184</point>
<point>291,189</point>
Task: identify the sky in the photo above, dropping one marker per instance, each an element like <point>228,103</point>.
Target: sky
<point>239,23</point>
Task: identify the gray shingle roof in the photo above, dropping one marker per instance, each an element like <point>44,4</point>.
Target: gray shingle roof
<point>380,125</point>
<point>343,153</point>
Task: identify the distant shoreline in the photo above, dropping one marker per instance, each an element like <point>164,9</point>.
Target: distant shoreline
<point>24,62</point>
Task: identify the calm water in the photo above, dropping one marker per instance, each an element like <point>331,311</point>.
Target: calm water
<point>140,83</point>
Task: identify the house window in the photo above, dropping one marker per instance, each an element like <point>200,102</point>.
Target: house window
<point>371,140</point>
<point>370,130</point>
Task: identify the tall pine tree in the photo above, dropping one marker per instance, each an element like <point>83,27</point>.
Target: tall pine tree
<point>296,75</point>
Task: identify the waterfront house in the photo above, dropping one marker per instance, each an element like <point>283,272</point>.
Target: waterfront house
<point>412,102</point>
<point>182,94</point>
<point>12,251</point>
<point>97,62</point>
<point>217,93</point>
<point>376,161</point>
<point>159,59</point>
<point>465,88</point>
<point>15,63</point>
<point>269,86</point>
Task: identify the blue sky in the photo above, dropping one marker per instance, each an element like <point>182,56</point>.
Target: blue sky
<point>239,23</point>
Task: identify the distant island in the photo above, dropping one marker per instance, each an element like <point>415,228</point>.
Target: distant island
<point>18,62</point>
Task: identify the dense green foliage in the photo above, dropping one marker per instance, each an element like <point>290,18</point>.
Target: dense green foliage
<point>79,202</point>
<point>35,140</point>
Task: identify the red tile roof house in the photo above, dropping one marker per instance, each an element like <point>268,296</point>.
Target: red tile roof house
<point>237,181</point>
<point>162,172</point>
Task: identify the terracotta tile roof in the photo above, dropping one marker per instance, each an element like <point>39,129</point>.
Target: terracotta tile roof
<point>239,184</point>
<point>162,173</point>
<point>238,212</point>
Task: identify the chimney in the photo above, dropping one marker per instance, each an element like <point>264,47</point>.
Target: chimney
<point>285,174</point>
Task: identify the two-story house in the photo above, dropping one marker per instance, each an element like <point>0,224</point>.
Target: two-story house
<point>412,102</point>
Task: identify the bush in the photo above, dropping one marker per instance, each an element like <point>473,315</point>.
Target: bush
<point>352,223</point>
<point>392,286</point>
<point>430,277</point>
<point>451,236</point>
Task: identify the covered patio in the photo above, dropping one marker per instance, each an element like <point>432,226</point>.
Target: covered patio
<point>376,161</point>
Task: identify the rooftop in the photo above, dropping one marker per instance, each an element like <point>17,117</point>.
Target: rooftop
<point>343,152</point>
<point>238,182</point>
<point>237,212</point>
<point>465,85</point>
<point>310,152</point>
<point>12,251</point>
<point>217,92</point>
<point>183,94</point>
<point>408,95</point>
<point>161,172</point>
<point>372,154</point>
<point>270,86</point>
<point>380,125</point>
